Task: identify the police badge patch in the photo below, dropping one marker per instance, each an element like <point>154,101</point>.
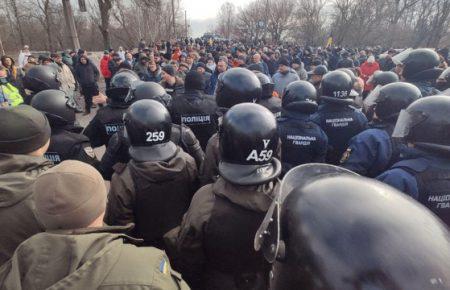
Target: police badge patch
<point>346,155</point>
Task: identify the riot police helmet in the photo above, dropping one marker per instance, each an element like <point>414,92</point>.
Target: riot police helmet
<point>393,98</point>
<point>426,123</point>
<point>149,91</point>
<point>56,105</point>
<point>336,87</point>
<point>443,82</point>
<point>235,86</point>
<point>248,139</point>
<point>41,77</point>
<point>120,85</point>
<point>383,78</point>
<point>148,127</point>
<point>300,96</point>
<point>337,230</point>
<point>418,61</point>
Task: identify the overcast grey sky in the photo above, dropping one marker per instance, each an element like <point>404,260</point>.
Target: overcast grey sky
<point>204,9</point>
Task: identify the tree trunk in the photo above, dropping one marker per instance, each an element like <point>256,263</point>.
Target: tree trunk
<point>105,12</point>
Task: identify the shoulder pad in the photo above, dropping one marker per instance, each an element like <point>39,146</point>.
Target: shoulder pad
<point>188,136</point>
<point>417,165</point>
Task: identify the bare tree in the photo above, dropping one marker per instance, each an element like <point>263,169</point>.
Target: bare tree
<point>225,19</point>
<point>105,7</point>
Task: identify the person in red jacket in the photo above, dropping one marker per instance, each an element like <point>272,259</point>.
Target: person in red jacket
<point>106,73</point>
<point>367,69</point>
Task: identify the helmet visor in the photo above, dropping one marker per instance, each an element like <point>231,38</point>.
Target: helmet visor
<point>371,99</point>
<point>406,121</point>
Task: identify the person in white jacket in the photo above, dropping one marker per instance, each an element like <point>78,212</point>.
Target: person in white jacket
<point>23,56</point>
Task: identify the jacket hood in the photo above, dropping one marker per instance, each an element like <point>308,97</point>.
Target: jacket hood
<point>17,174</point>
<point>256,198</point>
<point>37,263</point>
<point>159,171</point>
<point>88,61</point>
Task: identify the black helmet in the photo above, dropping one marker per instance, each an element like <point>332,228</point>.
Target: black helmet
<point>267,85</point>
<point>426,123</point>
<point>248,140</point>
<point>319,70</point>
<point>41,77</point>
<point>393,98</point>
<point>383,78</point>
<point>57,106</point>
<point>419,60</point>
<point>443,82</point>
<point>349,72</point>
<point>300,96</point>
<point>336,87</point>
<point>120,85</point>
<point>149,91</point>
<point>235,86</point>
<point>335,230</point>
<point>148,127</point>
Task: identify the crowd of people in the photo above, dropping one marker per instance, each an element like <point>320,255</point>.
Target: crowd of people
<point>231,166</point>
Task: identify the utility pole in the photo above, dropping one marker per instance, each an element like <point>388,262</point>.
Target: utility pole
<point>70,21</point>
<point>173,18</point>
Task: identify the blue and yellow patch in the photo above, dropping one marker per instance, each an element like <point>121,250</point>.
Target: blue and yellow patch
<point>164,266</point>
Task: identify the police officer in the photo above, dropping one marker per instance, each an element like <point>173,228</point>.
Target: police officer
<point>424,172</point>
<point>336,116</point>
<point>155,188</point>
<point>66,141</point>
<point>373,151</point>
<point>195,109</point>
<point>267,99</point>
<point>386,245</point>
<point>420,67</point>
<point>317,74</point>
<point>117,149</point>
<point>108,119</point>
<point>216,238</point>
<point>235,86</point>
<point>302,141</point>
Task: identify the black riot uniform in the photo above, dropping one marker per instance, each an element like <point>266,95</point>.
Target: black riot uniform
<point>181,135</point>
<point>195,109</point>
<point>329,229</point>
<point>108,119</point>
<point>424,171</point>
<point>215,242</point>
<point>420,67</point>
<point>373,151</point>
<point>267,99</point>
<point>302,141</point>
<point>336,116</point>
<point>235,86</point>
<point>155,188</point>
<point>66,141</point>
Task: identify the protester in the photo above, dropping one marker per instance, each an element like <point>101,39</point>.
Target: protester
<point>170,81</point>
<point>9,94</point>
<point>284,76</point>
<point>104,68</point>
<point>14,73</point>
<point>24,138</point>
<point>23,56</point>
<point>65,75</point>
<point>87,76</point>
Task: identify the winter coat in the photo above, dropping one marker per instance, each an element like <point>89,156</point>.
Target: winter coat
<point>104,69</point>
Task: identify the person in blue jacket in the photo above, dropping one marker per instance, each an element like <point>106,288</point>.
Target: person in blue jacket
<point>373,151</point>
<point>336,116</point>
<point>302,141</point>
<point>424,173</point>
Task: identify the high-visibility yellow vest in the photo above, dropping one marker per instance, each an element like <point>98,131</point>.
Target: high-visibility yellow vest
<point>12,94</point>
